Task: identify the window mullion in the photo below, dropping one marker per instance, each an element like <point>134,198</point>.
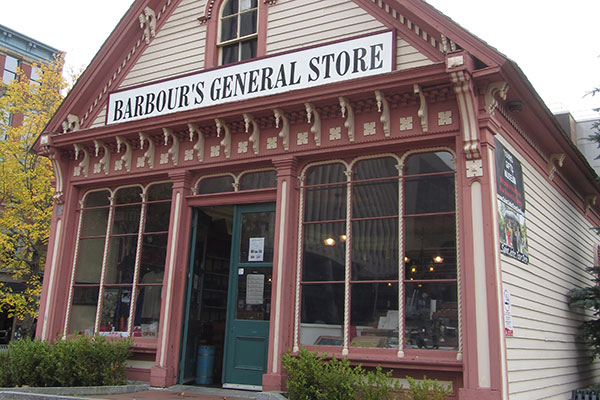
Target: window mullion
<point>401,255</point>
<point>348,261</point>
<point>111,212</point>
<point>138,252</point>
<point>299,253</point>
<point>75,256</point>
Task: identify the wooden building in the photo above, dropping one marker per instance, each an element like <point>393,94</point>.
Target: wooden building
<point>235,178</point>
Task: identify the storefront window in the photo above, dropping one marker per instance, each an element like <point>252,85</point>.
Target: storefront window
<point>119,269</point>
<point>393,245</point>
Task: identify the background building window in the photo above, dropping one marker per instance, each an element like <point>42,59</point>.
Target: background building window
<point>352,249</point>
<point>10,69</point>
<point>238,30</point>
<point>119,269</point>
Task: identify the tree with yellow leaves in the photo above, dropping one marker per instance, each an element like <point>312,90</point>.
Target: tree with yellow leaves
<point>25,186</point>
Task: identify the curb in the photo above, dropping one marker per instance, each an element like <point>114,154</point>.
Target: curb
<point>61,392</point>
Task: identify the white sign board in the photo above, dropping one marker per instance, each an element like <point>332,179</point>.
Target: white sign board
<point>509,329</point>
<point>255,289</point>
<point>357,58</point>
<point>256,251</point>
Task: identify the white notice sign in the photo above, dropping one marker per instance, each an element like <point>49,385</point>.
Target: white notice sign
<point>256,250</point>
<point>255,288</point>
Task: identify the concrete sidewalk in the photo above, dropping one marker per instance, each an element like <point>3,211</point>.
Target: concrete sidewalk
<point>135,392</point>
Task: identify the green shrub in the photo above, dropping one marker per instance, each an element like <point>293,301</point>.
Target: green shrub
<point>78,361</point>
<point>5,377</point>
<point>427,389</point>
<point>312,377</point>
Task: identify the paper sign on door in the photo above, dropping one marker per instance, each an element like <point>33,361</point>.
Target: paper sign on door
<point>256,251</point>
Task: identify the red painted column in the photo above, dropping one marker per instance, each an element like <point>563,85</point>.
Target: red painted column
<point>482,342</point>
<point>164,373</point>
<point>284,262</point>
<point>59,257</point>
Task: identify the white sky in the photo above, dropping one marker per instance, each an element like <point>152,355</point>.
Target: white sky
<point>556,43</point>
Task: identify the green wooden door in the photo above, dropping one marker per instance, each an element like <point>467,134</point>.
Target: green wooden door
<point>249,301</point>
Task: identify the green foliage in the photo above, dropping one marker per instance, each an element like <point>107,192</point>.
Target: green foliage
<point>312,377</point>
<point>78,361</point>
<point>377,385</point>
<point>427,389</point>
<point>589,298</point>
<point>25,185</point>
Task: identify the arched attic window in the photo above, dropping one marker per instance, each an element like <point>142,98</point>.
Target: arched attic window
<point>238,31</point>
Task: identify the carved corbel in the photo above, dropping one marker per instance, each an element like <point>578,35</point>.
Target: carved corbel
<point>125,159</point>
<point>255,136</point>
<point>149,154</point>
<point>84,166</point>
<point>349,123</point>
<point>71,124</point>
<point>52,155</point>
<point>148,24</point>
<point>590,201</point>
<point>226,142</point>
<point>104,163</point>
<point>467,109</point>
<point>384,108</point>
<point>423,112</point>
<point>311,113</point>
<point>174,150</point>
<point>199,146</point>
<point>285,128</point>
<point>556,161</point>
<point>499,88</point>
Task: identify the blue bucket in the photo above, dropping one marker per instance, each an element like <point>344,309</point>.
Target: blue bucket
<point>204,366</point>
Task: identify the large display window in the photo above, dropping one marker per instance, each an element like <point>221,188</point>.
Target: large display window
<point>120,261</point>
<point>377,265</point>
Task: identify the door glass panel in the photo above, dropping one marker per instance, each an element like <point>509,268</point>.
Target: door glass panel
<point>257,237</point>
<point>254,294</point>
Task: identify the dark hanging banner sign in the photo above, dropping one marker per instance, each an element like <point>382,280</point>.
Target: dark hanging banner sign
<point>511,205</point>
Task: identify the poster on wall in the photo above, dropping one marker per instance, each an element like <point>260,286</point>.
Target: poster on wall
<point>511,205</point>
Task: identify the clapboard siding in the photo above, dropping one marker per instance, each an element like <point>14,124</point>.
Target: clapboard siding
<point>293,26</point>
<point>545,359</point>
<point>177,49</point>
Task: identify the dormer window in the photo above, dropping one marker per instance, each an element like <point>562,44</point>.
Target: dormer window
<point>239,31</point>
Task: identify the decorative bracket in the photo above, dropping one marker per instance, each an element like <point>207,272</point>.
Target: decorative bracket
<point>199,146</point>
<point>556,161</point>
<point>149,154</point>
<point>84,165</point>
<point>311,113</point>
<point>52,155</point>
<point>499,88</point>
<point>255,136</point>
<point>347,109</point>
<point>285,129</point>
<point>384,108</point>
<point>226,142</point>
<point>423,111</point>
<point>174,150</point>
<point>125,158</point>
<point>148,23</point>
<point>590,201</point>
<point>71,124</point>
<point>468,113</point>
<point>104,162</point>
